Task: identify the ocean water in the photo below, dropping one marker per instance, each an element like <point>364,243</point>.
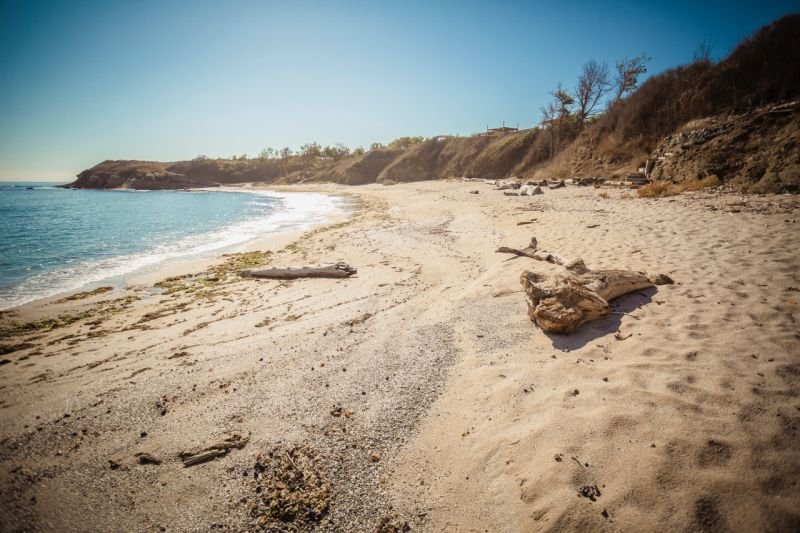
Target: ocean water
<point>55,240</point>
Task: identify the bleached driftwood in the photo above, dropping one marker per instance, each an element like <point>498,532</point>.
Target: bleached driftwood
<point>339,270</point>
<point>507,184</point>
<point>195,457</point>
<point>532,251</point>
<point>530,190</point>
<point>561,303</point>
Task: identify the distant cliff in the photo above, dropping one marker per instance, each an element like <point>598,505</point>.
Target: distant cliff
<point>757,150</point>
<point>135,175</point>
<point>176,175</point>
<point>495,156</point>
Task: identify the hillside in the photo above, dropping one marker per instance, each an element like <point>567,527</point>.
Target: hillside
<point>736,120</point>
<point>758,151</point>
<point>357,170</point>
<point>480,156</point>
<point>178,175</point>
<point>760,146</point>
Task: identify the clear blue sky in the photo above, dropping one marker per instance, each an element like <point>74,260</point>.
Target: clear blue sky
<point>84,81</point>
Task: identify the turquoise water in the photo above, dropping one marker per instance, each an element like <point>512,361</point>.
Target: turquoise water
<point>55,240</point>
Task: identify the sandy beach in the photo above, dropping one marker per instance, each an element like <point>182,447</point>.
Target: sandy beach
<point>418,394</point>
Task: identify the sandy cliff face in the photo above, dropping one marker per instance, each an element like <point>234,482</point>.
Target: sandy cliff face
<point>479,156</point>
<point>358,170</point>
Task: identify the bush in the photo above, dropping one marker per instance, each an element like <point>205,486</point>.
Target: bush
<point>657,189</point>
<point>696,185</point>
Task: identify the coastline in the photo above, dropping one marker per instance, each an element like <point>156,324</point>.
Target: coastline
<point>279,239</point>
<point>419,391</point>
<point>177,266</point>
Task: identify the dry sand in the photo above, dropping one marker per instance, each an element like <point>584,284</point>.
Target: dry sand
<point>419,392</point>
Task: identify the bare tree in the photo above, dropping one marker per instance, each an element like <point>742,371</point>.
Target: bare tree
<point>593,83</point>
<point>556,114</point>
<point>702,53</point>
<point>267,153</point>
<point>564,101</point>
<point>549,122</point>
<point>628,72</point>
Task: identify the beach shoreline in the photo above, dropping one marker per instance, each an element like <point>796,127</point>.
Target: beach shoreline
<point>419,392</point>
<point>179,266</point>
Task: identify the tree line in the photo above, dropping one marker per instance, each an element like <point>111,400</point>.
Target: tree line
<point>314,152</point>
<point>567,113</point>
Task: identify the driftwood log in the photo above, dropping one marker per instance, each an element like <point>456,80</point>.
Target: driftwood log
<point>507,184</point>
<point>339,270</point>
<point>561,303</point>
<point>195,457</point>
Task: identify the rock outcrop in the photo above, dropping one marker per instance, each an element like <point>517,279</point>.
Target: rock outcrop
<point>143,175</point>
<point>758,150</point>
<point>200,172</point>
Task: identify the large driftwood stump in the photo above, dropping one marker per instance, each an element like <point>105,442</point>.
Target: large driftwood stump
<point>561,303</point>
<point>339,270</point>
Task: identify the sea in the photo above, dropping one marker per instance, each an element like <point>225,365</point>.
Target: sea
<point>55,240</point>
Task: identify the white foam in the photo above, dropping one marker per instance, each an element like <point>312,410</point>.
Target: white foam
<point>291,212</point>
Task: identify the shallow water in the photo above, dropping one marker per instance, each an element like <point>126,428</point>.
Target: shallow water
<point>54,240</point>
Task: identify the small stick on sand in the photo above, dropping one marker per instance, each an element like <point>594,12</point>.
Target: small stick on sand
<point>531,252</point>
<point>294,465</point>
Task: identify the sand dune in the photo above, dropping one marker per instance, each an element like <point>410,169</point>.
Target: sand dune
<point>420,392</point>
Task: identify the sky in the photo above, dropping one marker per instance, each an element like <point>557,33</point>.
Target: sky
<point>85,81</point>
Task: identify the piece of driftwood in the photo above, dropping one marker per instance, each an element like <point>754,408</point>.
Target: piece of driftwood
<point>202,457</point>
<point>561,303</point>
<point>530,190</point>
<point>532,251</point>
<point>218,449</point>
<point>339,270</point>
<point>507,184</point>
